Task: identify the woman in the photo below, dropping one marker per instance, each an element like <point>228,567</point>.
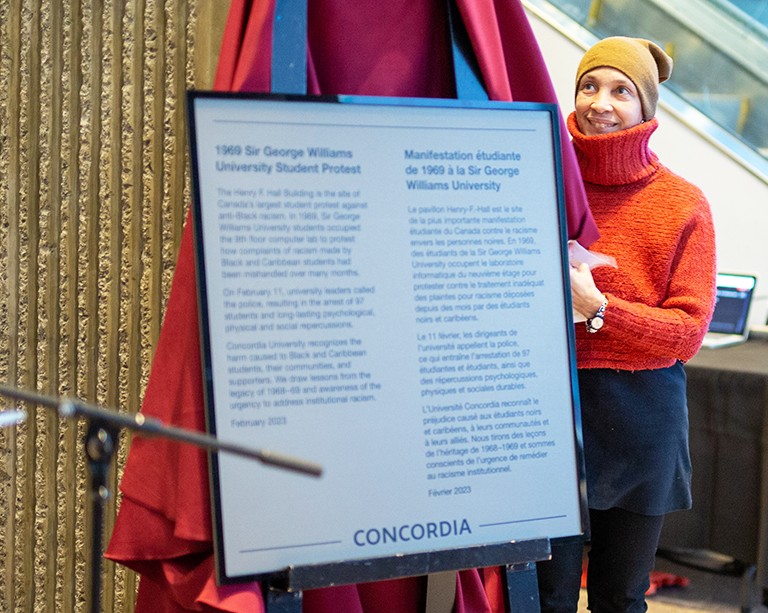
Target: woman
<point>644,319</point>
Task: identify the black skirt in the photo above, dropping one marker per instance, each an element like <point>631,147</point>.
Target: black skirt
<point>635,427</point>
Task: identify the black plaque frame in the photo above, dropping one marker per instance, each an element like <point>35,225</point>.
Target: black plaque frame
<point>513,554</point>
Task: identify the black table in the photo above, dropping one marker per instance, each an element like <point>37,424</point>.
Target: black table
<point>728,408</point>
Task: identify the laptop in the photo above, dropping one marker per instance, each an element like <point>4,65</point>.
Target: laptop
<point>729,322</point>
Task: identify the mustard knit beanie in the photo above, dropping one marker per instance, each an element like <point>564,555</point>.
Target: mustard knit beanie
<point>643,61</point>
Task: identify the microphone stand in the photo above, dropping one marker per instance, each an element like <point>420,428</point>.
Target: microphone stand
<point>100,444</point>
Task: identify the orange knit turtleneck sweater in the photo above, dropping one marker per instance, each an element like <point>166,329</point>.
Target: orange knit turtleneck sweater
<point>659,228</point>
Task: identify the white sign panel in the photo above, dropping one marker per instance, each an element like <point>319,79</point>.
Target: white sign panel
<point>382,293</point>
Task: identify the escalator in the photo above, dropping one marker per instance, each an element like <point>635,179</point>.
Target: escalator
<point>720,48</point>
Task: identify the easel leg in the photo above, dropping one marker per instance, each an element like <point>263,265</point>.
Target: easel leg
<point>441,592</point>
<point>280,601</point>
<point>522,588</point>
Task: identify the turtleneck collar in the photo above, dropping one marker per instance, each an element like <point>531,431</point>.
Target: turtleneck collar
<point>618,158</point>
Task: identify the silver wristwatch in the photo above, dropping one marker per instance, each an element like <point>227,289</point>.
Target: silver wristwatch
<point>596,322</point>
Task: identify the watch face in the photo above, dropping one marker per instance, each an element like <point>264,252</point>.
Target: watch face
<point>596,323</point>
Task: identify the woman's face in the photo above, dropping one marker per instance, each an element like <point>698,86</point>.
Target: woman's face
<point>607,101</point>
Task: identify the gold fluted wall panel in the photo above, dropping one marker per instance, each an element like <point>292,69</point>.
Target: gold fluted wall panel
<point>94,192</point>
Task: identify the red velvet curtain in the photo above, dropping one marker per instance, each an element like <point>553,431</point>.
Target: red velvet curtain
<point>367,47</point>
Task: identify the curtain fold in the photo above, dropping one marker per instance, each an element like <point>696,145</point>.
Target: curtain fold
<point>396,48</point>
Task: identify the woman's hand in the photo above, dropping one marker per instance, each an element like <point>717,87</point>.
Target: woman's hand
<point>585,295</point>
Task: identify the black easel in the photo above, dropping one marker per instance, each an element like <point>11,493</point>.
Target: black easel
<point>100,442</point>
<point>282,592</point>
<point>289,76</point>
